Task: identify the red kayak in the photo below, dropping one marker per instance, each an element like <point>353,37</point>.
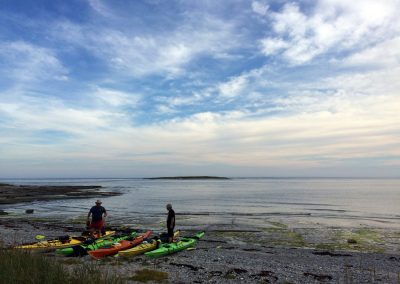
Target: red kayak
<point>115,248</point>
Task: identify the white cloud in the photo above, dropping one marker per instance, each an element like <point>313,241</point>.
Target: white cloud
<point>233,87</point>
<point>311,131</point>
<point>116,98</point>
<point>259,7</point>
<point>165,53</point>
<point>25,62</point>
<point>271,46</point>
<point>331,26</point>
<point>100,7</point>
<point>373,83</point>
<point>385,54</point>
<point>23,111</point>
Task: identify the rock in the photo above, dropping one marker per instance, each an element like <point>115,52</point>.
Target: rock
<point>29,211</point>
<point>318,277</point>
<point>351,241</point>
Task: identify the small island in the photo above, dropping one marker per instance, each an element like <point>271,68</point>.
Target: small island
<point>190,178</point>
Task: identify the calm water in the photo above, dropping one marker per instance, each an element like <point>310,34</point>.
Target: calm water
<point>301,202</point>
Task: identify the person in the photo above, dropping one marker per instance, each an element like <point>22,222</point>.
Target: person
<point>98,214</point>
<point>170,222</point>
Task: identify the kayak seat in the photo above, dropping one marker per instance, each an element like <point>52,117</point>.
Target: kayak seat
<point>64,239</point>
<point>89,241</point>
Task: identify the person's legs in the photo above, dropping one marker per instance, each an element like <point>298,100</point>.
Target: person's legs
<point>97,228</point>
<point>170,235</point>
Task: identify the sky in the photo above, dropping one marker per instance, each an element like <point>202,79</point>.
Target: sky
<point>238,88</point>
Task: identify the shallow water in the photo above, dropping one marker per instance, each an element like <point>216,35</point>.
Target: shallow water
<point>244,201</point>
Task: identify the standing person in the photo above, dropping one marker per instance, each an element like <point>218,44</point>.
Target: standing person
<point>170,222</point>
<point>98,214</point>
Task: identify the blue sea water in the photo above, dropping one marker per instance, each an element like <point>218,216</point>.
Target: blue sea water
<point>296,201</point>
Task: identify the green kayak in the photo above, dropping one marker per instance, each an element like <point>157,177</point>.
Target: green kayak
<point>82,249</point>
<point>184,243</point>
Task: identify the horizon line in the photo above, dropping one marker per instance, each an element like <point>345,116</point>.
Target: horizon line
<point>229,177</point>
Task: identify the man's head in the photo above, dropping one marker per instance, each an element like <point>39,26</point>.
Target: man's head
<point>98,202</point>
<point>169,206</point>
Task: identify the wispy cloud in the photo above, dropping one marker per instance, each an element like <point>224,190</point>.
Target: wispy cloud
<point>385,54</point>
<point>165,53</point>
<point>26,62</point>
<point>330,26</point>
<point>259,7</point>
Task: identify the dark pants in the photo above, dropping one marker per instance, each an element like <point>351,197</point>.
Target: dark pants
<point>170,233</point>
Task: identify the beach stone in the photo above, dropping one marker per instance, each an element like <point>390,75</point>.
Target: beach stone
<point>351,241</point>
<point>29,211</point>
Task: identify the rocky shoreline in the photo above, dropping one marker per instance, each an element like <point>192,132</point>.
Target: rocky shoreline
<point>12,194</point>
<point>226,256</point>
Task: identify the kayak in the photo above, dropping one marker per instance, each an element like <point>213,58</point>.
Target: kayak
<point>142,248</point>
<point>116,247</point>
<point>184,243</point>
<point>88,245</point>
<point>58,243</point>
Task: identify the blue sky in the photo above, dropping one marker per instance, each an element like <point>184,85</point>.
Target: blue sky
<point>101,88</point>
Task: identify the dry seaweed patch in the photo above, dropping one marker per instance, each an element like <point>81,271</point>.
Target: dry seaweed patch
<point>364,240</point>
<point>282,236</point>
<point>145,275</point>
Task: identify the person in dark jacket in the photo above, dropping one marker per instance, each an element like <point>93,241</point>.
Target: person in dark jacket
<point>98,214</point>
<point>170,222</point>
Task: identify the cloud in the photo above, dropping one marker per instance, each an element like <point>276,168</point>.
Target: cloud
<point>385,54</point>
<point>26,62</point>
<point>312,131</point>
<point>233,87</point>
<point>100,7</point>
<point>271,46</point>
<point>55,114</point>
<point>259,7</point>
<point>165,53</point>
<point>115,98</point>
<point>329,27</point>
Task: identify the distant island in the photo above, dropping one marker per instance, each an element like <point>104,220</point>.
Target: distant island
<point>189,177</point>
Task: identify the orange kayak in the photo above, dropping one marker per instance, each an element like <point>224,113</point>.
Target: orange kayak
<point>116,247</point>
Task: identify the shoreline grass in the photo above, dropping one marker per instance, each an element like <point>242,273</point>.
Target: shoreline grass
<point>18,266</point>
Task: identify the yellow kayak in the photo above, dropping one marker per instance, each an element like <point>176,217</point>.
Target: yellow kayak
<point>143,247</point>
<point>61,242</point>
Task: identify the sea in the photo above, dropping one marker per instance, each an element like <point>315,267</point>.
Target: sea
<point>256,202</point>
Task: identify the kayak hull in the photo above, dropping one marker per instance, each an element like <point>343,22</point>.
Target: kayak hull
<point>116,247</point>
<point>167,249</point>
<point>142,248</point>
<point>82,249</point>
<point>54,244</point>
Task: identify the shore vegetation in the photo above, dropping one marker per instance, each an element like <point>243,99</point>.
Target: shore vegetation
<point>23,267</point>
